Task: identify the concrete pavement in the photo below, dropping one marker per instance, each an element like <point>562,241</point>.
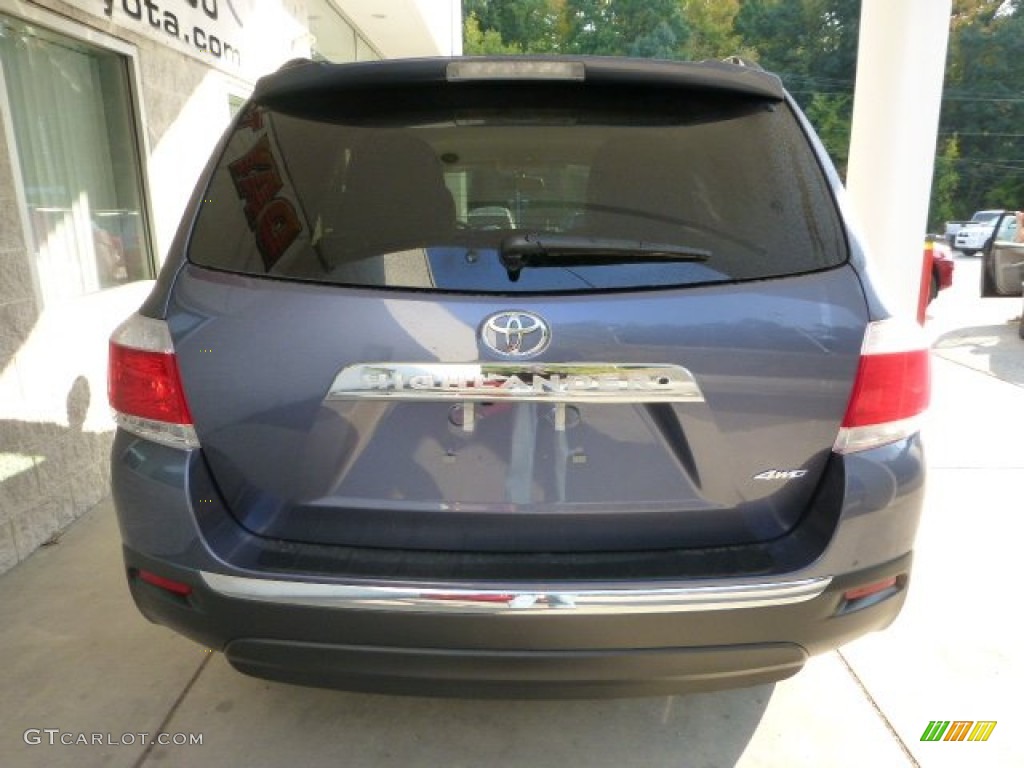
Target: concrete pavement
<point>79,660</point>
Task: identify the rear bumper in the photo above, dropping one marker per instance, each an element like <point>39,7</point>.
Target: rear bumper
<point>549,650</point>
<point>517,674</point>
<point>513,626</point>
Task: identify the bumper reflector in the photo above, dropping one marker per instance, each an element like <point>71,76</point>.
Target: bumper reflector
<point>168,585</point>
<point>870,589</point>
<point>871,594</point>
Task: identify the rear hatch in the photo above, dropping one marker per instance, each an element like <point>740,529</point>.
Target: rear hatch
<point>589,312</point>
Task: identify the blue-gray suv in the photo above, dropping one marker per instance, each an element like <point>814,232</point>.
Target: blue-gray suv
<point>518,377</point>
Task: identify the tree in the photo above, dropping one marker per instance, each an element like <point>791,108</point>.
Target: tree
<point>945,185</point>
<point>812,46</point>
<point>530,26</point>
<point>626,27</point>
<point>713,29</point>
<point>982,106</point>
<point>644,28</point>
<point>831,114</point>
<point>479,42</point>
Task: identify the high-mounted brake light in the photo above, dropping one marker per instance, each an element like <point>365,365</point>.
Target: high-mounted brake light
<point>891,390</point>
<point>144,386</point>
<point>515,70</point>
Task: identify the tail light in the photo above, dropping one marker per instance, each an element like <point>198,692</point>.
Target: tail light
<point>144,386</point>
<point>891,390</point>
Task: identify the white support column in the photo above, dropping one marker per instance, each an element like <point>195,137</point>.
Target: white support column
<point>900,66</point>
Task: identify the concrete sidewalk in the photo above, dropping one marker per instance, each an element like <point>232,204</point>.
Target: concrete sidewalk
<point>78,657</point>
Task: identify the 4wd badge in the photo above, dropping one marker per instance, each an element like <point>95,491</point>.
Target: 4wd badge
<point>780,474</point>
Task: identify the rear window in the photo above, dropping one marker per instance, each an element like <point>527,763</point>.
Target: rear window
<point>651,191</point>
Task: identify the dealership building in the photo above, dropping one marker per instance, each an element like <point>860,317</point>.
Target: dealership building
<point>108,111</point>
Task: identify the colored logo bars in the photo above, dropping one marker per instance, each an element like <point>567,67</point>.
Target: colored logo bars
<point>958,730</point>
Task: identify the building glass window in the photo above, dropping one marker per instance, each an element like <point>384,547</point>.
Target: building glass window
<point>364,51</point>
<point>333,38</point>
<point>235,104</point>
<point>71,109</point>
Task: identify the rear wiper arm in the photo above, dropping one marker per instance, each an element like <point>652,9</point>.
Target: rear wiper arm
<point>553,250</point>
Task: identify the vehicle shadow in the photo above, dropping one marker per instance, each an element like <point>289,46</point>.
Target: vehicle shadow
<point>330,727</point>
<point>994,349</point>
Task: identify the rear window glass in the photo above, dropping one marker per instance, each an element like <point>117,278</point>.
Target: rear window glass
<point>565,195</point>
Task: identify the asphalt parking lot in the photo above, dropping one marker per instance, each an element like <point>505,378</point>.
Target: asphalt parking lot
<point>80,664</point>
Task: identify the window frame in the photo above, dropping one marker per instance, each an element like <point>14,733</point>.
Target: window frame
<point>129,53</point>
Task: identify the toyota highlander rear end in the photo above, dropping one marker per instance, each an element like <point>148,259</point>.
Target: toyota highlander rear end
<point>519,377</point>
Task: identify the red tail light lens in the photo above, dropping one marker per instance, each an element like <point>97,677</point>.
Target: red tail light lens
<point>144,385</point>
<point>891,389</point>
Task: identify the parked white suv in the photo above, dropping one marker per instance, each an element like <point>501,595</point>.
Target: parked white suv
<point>971,238</point>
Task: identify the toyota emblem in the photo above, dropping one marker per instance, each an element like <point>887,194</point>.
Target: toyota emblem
<point>515,334</point>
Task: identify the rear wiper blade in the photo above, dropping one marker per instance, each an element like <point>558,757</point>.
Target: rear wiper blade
<point>554,250</point>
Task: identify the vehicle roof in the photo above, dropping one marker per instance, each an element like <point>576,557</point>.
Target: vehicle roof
<point>310,78</point>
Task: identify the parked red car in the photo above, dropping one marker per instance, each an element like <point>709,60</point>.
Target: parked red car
<point>942,264</point>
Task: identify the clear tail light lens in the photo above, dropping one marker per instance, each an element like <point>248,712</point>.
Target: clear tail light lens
<point>892,387</point>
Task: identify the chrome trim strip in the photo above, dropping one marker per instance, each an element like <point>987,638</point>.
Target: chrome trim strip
<point>524,382</point>
<point>517,599</point>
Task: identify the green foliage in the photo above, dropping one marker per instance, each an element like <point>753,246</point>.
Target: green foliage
<point>944,204</point>
<point>775,30</point>
<point>646,28</point>
<point>831,116</point>
<point>478,42</point>
<point>982,108</point>
<point>812,46</point>
<point>650,28</point>
<point>527,26</point>
<point>713,29</point>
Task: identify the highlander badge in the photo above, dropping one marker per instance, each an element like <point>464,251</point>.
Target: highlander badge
<point>489,382</point>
